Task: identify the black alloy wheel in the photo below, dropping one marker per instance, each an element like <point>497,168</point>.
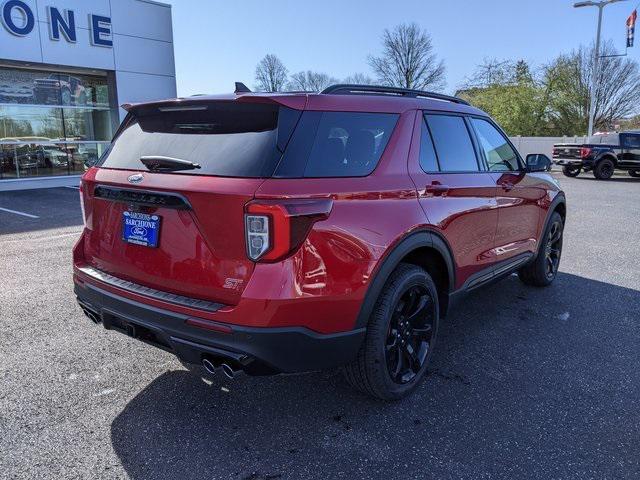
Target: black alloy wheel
<point>409,335</point>
<point>604,169</point>
<point>401,335</point>
<point>543,269</point>
<point>553,249</point>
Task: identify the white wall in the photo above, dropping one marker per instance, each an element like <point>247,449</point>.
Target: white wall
<point>527,145</point>
<point>142,55</point>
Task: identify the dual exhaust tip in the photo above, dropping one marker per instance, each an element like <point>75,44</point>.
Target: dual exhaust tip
<point>208,365</point>
<point>93,316</point>
<point>227,369</point>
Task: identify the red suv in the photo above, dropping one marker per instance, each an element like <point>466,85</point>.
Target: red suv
<point>275,233</point>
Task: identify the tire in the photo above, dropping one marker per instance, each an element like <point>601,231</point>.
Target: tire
<point>604,169</point>
<point>400,338</point>
<point>634,173</point>
<point>543,270</point>
<point>571,171</point>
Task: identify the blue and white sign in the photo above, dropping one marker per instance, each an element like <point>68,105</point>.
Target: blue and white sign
<point>141,229</point>
<point>19,19</point>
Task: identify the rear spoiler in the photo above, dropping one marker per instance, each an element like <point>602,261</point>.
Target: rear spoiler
<point>295,101</point>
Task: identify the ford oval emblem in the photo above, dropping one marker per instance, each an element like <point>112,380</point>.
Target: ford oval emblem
<point>136,178</point>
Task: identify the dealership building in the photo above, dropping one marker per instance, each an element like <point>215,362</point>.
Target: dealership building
<point>65,68</point>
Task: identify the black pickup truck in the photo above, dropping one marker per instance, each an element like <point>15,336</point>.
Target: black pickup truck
<point>602,155</point>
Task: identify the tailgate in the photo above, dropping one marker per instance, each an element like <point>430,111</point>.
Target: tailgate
<point>165,207</point>
<point>570,151</point>
<point>200,251</point>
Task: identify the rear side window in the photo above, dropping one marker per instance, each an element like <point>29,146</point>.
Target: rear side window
<point>631,141</point>
<point>428,159</point>
<point>227,139</point>
<point>499,154</point>
<point>336,144</point>
<point>452,143</point>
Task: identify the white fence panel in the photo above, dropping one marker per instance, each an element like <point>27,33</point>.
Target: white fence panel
<point>527,145</point>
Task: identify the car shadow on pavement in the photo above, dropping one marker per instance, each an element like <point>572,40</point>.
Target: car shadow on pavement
<point>525,382</point>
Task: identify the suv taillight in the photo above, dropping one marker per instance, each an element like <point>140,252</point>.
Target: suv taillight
<point>258,238</point>
<point>585,152</point>
<point>84,215</point>
<point>274,229</point>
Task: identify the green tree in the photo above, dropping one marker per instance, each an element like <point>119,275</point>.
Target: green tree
<point>509,93</point>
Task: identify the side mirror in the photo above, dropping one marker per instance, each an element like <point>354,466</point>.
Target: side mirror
<point>538,162</point>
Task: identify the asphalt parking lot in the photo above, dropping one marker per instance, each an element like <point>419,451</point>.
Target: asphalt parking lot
<point>525,382</point>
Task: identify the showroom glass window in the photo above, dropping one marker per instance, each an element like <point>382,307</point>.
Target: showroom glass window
<point>52,123</point>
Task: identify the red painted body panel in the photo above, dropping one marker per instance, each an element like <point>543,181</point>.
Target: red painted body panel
<point>199,250</point>
<point>462,208</point>
<point>519,198</point>
<point>321,286</point>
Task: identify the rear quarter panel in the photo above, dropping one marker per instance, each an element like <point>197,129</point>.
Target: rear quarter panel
<point>327,278</point>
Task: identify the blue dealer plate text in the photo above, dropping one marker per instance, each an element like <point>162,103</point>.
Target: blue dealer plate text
<point>141,228</point>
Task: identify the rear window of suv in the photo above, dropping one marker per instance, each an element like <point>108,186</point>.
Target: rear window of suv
<point>254,140</point>
<point>226,139</point>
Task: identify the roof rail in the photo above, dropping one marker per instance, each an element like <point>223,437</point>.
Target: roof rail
<point>351,89</point>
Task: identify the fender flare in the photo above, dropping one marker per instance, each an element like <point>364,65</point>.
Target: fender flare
<point>558,200</point>
<point>386,266</point>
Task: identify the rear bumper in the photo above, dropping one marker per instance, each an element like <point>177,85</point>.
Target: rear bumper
<point>254,350</point>
<point>586,163</point>
<point>567,162</point>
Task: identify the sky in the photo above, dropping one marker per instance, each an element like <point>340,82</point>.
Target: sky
<point>219,42</point>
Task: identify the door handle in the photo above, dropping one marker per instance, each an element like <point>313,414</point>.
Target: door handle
<point>436,189</point>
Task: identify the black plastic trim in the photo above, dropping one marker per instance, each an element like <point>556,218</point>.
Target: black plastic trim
<point>255,350</point>
<point>413,241</point>
<point>150,292</point>
<point>146,198</point>
<point>558,200</point>
<point>352,89</point>
<point>496,271</point>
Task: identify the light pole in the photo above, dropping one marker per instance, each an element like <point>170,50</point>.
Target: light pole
<point>596,59</point>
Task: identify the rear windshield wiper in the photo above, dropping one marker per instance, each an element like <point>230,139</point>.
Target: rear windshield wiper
<point>167,164</point>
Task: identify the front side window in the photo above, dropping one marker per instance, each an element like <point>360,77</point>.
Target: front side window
<point>452,143</point>
<point>500,156</point>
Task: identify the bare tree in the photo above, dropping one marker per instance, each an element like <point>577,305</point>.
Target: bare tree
<point>310,81</point>
<point>569,79</point>
<point>408,60</point>
<point>491,72</point>
<point>359,79</point>
<point>271,74</point>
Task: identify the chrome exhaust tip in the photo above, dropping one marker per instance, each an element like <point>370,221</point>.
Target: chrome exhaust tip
<point>91,316</point>
<point>208,366</point>
<point>228,371</point>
